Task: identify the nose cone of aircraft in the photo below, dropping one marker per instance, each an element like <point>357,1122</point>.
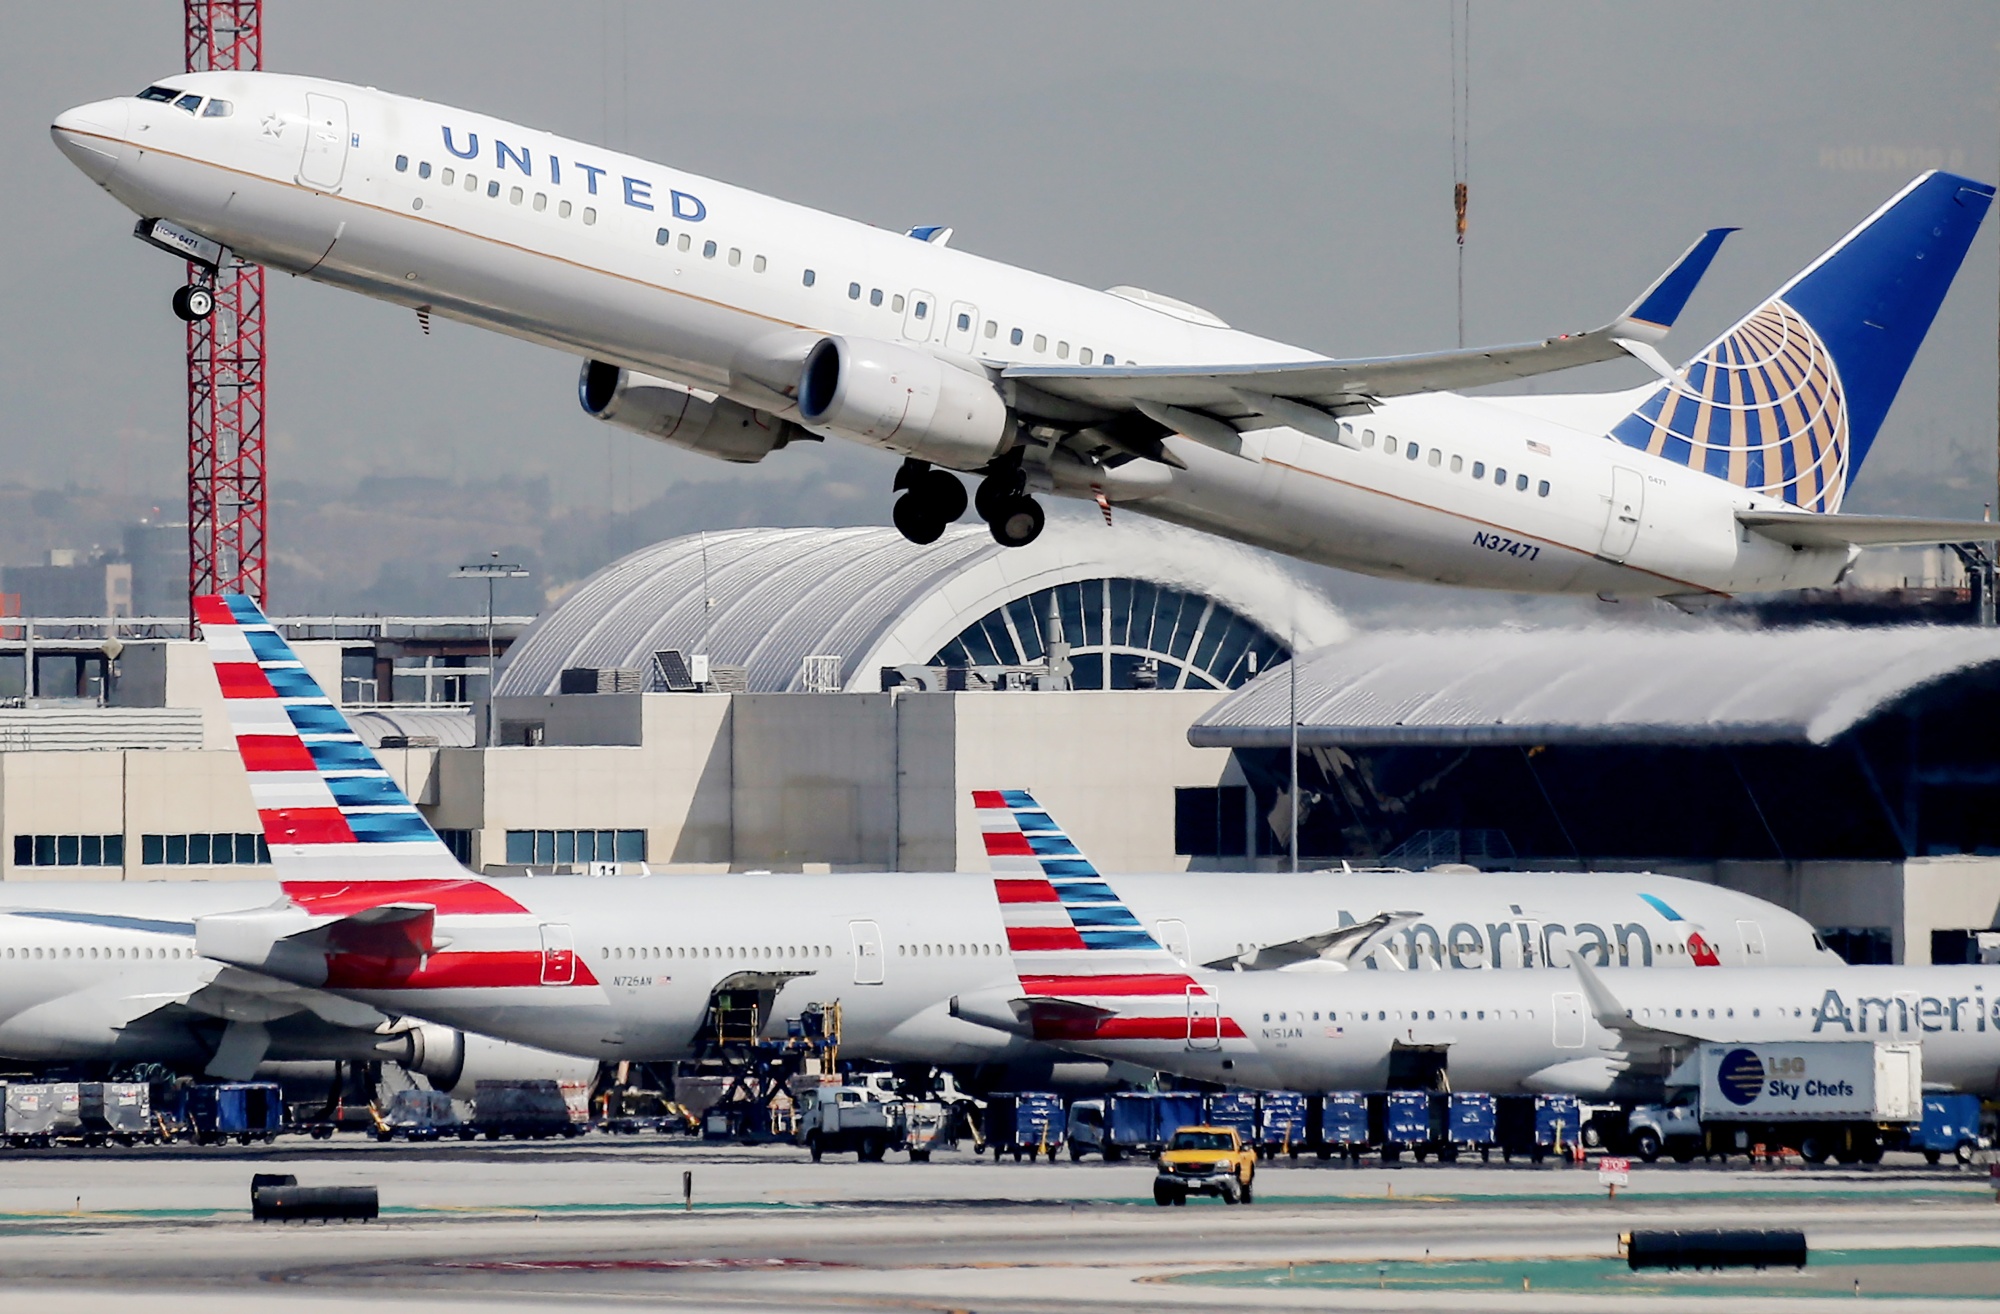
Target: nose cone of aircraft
<point>93,136</point>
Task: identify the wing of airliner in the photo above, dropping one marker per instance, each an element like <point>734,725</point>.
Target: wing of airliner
<point>1332,949</point>
<point>1809,529</point>
<point>1635,1036</point>
<point>1291,392</point>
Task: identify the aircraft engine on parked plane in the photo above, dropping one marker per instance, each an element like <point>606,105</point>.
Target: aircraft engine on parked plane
<point>657,408</point>
<point>907,401</point>
<point>456,1062</point>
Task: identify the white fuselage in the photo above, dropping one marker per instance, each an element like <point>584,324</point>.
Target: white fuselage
<point>891,948</point>
<point>634,263</point>
<point>1318,1031</point>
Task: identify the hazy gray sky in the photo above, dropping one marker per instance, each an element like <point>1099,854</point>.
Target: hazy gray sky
<point>1286,165</point>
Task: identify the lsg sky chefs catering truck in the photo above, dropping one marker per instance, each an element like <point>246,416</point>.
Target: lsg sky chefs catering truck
<point>1841,1099</point>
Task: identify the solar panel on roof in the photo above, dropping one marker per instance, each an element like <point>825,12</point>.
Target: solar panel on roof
<point>672,670</point>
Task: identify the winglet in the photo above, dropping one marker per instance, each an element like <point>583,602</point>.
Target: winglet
<point>1649,318</point>
<point>1604,1005</point>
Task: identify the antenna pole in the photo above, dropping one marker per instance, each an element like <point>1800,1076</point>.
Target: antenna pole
<point>1294,729</point>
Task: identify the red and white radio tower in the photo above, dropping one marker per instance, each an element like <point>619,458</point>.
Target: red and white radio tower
<point>225,356</point>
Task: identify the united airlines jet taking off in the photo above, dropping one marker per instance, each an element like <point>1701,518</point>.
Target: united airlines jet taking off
<point>733,324</point>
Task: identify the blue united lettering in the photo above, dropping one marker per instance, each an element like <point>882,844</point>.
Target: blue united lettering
<point>636,192</point>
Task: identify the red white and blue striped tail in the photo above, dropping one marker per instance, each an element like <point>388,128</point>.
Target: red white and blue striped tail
<point>1077,948</point>
<point>330,812</point>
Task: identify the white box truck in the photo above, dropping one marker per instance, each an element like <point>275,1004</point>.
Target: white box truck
<point>1826,1099</point>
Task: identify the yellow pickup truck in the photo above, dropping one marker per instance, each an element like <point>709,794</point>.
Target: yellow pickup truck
<point>1205,1161</point>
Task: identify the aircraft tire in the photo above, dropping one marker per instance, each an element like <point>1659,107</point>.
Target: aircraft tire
<point>1017,521</point>
<point>194,302</point>
<point>916,520</point>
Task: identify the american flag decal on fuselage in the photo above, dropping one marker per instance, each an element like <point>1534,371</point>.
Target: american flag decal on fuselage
<point>1076,945</point>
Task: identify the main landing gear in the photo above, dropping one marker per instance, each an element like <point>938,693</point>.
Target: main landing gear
<point>193,302</point>
<point>933,498</point>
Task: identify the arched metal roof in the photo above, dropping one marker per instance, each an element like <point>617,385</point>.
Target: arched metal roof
<point>1627,685</point>
<point>764,599</point>
<point>451,728</point>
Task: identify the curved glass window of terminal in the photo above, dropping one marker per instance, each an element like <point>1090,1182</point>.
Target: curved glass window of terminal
<point>1123,634</point>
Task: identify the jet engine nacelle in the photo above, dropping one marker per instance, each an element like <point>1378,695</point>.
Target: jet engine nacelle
<point>456,1062</point>
<point>712,425</point>
<point>907,401</point>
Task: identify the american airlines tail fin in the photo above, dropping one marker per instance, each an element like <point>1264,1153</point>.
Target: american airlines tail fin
<point>329,810</point>
<point>1088,968</point>
<point>1788,402</point>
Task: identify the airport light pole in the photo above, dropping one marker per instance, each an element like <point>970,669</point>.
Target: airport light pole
<point>491,570</point>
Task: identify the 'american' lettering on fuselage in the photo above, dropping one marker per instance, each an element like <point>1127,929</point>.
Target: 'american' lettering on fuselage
<point>1906,1013</point>
<point>1546,944</point>
<point>638,192</point>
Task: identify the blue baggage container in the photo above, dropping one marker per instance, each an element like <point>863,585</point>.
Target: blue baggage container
<point>1950,1126</point>
<point>1406,1118</point>
<point>245,1111</point>
<point>1235,1109</point>
<point>1174,1110</point>
<point>1343,1119</point>
<point>1474,1119</point>
<point>1282,1124</point>
<point>1028,1122</point>
<point>1558,1121</point>
<point>1129,1121</point>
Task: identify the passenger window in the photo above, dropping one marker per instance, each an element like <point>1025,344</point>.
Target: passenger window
<point>1499,477</point>
<point>424,169</point>
<point>1041,342</point>
<point>1388,445</point>
<point>218,109</point>
<point>685,242</point>
<point>809,277</point>
<point>1062,351</point>
<point>965,321</point>
<point>1083,357</point>
<point>1520,483</point>
<point>854,291</point>
<point>874,296</point>
<point>1015,337</point>
<point>1542,489</point>
<point>471,183</point>
<point>402,164</point>
<point>708,250</point>
<point>1479,469</point>
<point>493,189</point>
<point>896,303</point>
<point>757,265</point>
<point>590,214</point>
<point>1413,451</point>
<point>1436,456</point>
<point>1457,464</point>
<point>735,256</point>
<point>992,328</point>
<point>562,209</point>
<point>448,177</point>
<point>661,237</point>
<point>188,104</point>
<point>1110,359</point>
<point>514,196</point>
<point>1367,437</point>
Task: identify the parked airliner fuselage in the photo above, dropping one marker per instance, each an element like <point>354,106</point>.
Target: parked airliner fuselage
<point>724,290</point>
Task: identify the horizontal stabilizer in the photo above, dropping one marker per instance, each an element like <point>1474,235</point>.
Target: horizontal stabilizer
<point>1808,530</point>
<point>293,945</point>
<point>1335,948</point>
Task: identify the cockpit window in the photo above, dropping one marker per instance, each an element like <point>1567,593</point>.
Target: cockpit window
<point>217,109</point>
<point>189,102</point>
<point>159,93</point>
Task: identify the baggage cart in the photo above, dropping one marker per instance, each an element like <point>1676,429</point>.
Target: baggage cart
<point>1283,1124</point>
<point>1343,1124</point>
<point>1236,1110</point>
<point>1472,1123</point>
<point>243,1111</point>
<point>1027,1123</point>
<point>525,1110</point>
<point>120,1111</point>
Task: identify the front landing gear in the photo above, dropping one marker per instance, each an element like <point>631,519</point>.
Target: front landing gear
<point>1003,503</point>
<point>931,499</point>
<point>193,302</point>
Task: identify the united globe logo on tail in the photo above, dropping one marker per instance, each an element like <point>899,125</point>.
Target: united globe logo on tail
<point>1762,408</point>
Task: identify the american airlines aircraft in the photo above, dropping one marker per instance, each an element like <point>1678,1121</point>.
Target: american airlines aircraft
<point>1591,1029</point>
<point>733,323</point>
<point>370,905</point>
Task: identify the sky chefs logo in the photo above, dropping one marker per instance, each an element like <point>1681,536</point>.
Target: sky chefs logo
<point>1740,1076</point>
<point>637,192</point>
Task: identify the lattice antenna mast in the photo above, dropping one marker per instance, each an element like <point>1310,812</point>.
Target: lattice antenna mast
<point>227,507</point>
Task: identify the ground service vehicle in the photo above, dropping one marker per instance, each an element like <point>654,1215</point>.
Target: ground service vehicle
<point>421,1115</point>
<point>839,1119</point>
<point>1205,1161</point>
<point>1836,1099</point>
<point>242,1111</point>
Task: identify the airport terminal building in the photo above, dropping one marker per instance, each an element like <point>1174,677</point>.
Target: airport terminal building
<point>827,699</point>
